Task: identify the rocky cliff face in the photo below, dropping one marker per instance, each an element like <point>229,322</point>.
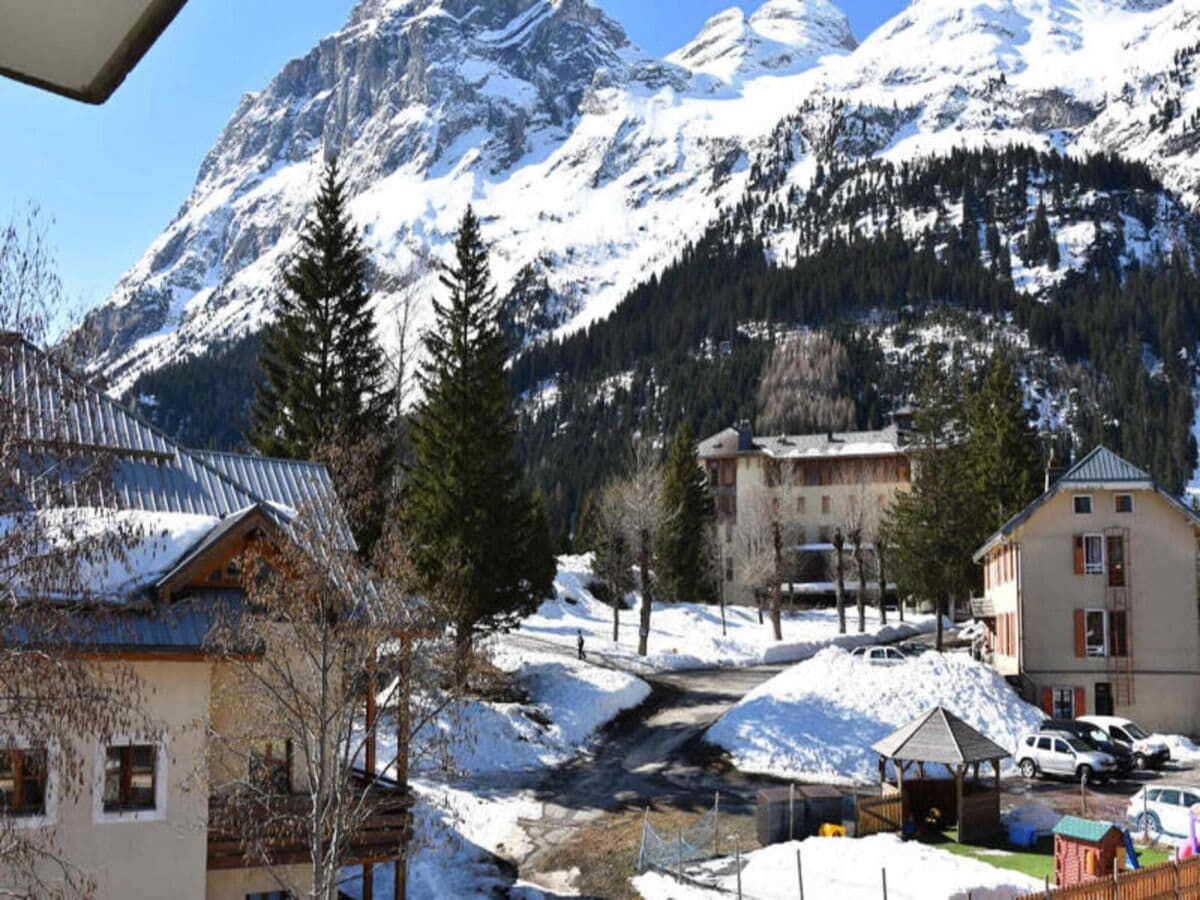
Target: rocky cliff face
<point>592,164</point>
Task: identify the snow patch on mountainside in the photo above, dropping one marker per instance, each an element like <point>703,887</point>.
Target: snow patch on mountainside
<point>592,164</point>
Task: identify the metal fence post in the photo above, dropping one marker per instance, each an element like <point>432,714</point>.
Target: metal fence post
<point>737,859</point>
<point>679,858</point>
<point>791,812</point>
<point>884,873</point>
<point>1047,877</point>
<point>799,873</point>
<point>717,826</point>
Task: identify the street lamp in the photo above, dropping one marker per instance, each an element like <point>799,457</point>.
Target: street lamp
<point>82,49</point>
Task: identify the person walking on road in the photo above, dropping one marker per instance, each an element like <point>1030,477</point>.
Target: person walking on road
<point>579,643</point>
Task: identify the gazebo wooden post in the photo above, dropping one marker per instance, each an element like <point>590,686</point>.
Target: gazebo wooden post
<point>368,869</point>
<point>959,772</point>
<point>882,774</point>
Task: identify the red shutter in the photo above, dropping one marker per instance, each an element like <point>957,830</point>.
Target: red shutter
<point>1080,635</point>
<point>1078,554</point>
<point>1080,702</point>
<point>1047,701</point>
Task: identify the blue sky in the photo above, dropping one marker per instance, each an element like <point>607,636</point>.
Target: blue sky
<point>112,177</point>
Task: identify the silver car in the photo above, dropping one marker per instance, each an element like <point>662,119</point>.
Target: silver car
<point>1062,755</point>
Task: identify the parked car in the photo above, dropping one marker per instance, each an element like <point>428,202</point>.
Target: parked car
<point>913,648</point>
<point>1163,809</point>
<point>1148,751</point>
<point>1096,738</point>
<point>880,656</point>
<point>1063,755</point>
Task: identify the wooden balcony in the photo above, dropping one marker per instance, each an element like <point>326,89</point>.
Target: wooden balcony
<point>380,840</point>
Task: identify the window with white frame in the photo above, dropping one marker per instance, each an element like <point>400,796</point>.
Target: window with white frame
<point>131,781</point>
<point>1093,554</point>
<point>1095,630</point>
<point>1083,504</point>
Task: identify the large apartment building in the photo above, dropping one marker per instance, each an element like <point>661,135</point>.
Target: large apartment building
<point>142,819</point>
<point>812,485</point>
<point>1090,595</point>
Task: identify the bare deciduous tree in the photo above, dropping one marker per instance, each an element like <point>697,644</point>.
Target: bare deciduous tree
<point>801,390</point>
<point>322,644</point>
<point>638,495</point>
<point>613,548</point>
<point>60,536</point>
<point>763,536</point>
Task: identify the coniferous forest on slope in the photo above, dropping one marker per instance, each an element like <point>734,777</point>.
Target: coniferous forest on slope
<point>691,344</point>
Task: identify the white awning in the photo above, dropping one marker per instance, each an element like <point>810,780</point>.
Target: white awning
<point>82,49</point>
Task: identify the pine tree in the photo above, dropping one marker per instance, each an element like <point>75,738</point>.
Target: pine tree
<point>466,513</point>
<point>1002,447</point>
<point>683,543</point>
<point>322,395</point>
<point>932,527</point>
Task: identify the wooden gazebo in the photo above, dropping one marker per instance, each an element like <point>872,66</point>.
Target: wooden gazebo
<point>941,738</point>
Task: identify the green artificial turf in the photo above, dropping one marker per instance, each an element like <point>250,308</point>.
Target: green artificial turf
<point>1037,861</point>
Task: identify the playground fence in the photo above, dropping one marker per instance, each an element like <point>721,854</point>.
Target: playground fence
<point>1166,881</point>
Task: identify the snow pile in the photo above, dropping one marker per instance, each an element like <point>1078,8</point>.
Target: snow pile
<point>1183,749</point>
<point>569,701</point>
<point>817,721</point>
<point>688,635</point>
<point>841,869</point>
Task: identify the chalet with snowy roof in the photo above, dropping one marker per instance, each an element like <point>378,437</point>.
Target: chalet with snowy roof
<point>1090,597</point>
<point>139,825</point>
<point>814,484</point>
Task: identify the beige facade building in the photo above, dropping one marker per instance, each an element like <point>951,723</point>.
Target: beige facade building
<point>137,813</point>
<point>812,486</point>
<point>1091,598</point>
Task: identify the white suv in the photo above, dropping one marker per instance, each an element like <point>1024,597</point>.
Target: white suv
<point>1147,750</point>
<point>1164,809</point>
<point>880,656</point>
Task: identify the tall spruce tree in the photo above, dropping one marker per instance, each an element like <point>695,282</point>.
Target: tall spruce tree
<point>322,395</point>
<point>469,519</point>
<point>932,527</point>
<point>1002,447</point>
<point>683,543</point>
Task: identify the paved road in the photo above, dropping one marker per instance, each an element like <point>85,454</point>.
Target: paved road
<point>652,753</point>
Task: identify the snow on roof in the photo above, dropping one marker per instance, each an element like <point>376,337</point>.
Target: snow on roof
<point>885,442</point>
<point>173,498</point>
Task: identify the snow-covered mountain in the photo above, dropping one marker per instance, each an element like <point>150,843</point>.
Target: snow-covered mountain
<point>592,163</point>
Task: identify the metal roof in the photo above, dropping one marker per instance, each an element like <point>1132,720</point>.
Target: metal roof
<point>827,445</point>
<point>1102,465</point>
<point>183,626</point>
<point>939,736</point>
<point>1089,830</point>
<point>294,484</point>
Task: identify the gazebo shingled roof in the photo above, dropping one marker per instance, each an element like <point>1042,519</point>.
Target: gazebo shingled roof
<point>939,736</point>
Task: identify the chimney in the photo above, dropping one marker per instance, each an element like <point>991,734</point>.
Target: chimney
<point>745,436</point>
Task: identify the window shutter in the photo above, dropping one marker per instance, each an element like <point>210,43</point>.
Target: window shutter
<point>1048,701</point>
<point>1079,554</point>
<point>1080,702</point>
<point>1080,636</point>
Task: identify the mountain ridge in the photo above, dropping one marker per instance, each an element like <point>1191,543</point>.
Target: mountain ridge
<point>594,168</point>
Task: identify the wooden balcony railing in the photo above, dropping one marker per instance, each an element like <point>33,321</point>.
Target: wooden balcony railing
<point>379,839</point>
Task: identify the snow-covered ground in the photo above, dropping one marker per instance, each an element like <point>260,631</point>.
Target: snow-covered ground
<point>842,869</point>
<point>500,749</point>
<point>817,720</point>
<point>688,635</point>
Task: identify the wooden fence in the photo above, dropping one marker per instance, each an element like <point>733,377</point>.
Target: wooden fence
<point>1167,881</point>
<point>878,814</point>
